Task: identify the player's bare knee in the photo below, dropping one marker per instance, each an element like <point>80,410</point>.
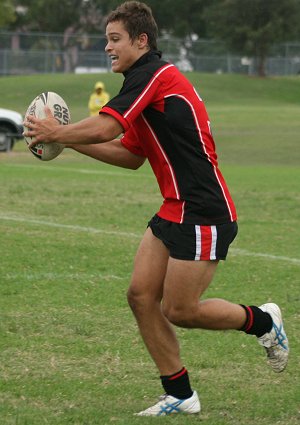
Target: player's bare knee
<point>176,315</point>
<point>133,298</point>
<point>138,300</point>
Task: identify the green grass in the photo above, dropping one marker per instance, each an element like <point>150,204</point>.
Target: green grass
<point>70,349</point>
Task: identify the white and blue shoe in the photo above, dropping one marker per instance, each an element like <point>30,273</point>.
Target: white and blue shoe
<point>275,342</point>
<point>169,405</point>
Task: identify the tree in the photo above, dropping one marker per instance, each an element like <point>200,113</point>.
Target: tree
<point>51,16</point>
<point>72,18</point>
<point>7,14</point>
<point>179,18</point>
<point>251,27</point>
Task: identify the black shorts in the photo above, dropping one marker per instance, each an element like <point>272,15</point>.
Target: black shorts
<point>194,242</point>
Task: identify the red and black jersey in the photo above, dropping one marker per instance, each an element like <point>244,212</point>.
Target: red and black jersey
<point>165,120</point>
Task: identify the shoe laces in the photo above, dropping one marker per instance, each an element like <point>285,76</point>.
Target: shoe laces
<point>280,337</point>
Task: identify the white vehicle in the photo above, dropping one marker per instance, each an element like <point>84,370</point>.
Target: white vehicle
<point>11,129</point>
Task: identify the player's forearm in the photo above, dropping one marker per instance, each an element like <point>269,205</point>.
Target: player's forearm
<point>79,133</point>
<point>97,129</point>
<point>112,153</point>
<point>91,130</point>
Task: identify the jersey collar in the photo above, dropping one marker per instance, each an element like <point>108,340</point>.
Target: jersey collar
<point>152,55</point>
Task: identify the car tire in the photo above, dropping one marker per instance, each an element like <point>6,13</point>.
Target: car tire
<point>6,140</point>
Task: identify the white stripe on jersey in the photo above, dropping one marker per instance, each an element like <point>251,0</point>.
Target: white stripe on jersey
<point>224,194</point>
<point>165,157</point>
<point>182,212</point>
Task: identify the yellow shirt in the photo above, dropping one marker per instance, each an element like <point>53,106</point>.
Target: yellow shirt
<point>97,101</point>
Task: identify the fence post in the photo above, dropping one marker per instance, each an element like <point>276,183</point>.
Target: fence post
<point>5,68</point>
<point>229,63</point>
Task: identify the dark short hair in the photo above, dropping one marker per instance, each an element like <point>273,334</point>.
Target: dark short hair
<point>137,19</point>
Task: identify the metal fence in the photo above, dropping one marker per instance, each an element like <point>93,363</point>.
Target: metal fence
<point>29,53</point>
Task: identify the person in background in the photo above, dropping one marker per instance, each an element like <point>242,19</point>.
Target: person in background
<point>98,99</point>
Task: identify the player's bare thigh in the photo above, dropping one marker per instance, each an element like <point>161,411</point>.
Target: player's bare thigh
<point>150,267</point>
<point>185,282</point>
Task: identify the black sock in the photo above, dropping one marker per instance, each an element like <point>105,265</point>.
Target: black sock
<point>257,322</point>
<point>178,384</point>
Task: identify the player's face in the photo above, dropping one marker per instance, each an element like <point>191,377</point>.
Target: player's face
<point>122,51</point>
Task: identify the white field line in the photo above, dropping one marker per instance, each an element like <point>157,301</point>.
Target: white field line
<point>93,230</point>
<point>129,173</point>
<point>56,276</point>
<point>244,252</point>
<point>68,226</point>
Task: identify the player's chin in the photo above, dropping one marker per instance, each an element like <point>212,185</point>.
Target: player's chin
<point>115,67</point>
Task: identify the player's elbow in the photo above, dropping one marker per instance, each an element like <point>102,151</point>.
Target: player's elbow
<point>136,163</point>
<point>104,134</point>
<point>106,128</point>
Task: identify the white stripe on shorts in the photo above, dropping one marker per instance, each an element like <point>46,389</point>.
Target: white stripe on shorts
<point>213,247</point>
<point>213,250</point>
<point>198,242</point>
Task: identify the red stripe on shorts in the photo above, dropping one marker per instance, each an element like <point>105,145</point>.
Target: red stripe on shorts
<point>206,241</point>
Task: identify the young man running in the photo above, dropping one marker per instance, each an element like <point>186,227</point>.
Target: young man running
<point>163,119</point>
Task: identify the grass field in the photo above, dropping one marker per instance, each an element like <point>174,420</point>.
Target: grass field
<point>70,352</point>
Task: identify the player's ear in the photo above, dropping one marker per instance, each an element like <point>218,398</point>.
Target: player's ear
<point>142,40</point>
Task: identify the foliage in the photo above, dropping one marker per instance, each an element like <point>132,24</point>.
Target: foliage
<point>7,13</point>
<point>179,18</point>
<point>60,16</point>
<point>251,27</point>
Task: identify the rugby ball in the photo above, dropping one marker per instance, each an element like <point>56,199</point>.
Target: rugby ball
<point>60,111</point>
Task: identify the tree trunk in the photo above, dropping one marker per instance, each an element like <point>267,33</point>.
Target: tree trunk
<point>261,66</point>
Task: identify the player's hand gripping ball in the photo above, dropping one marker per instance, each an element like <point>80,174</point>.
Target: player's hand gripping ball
<point>60,111</point>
